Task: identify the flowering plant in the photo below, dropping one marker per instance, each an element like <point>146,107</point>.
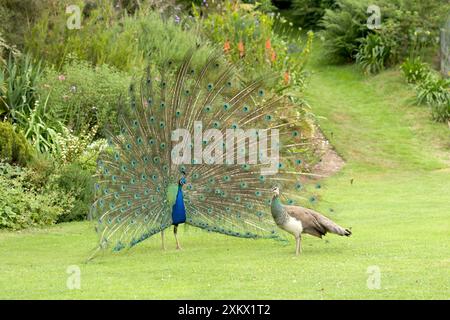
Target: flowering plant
<point>261,42</point>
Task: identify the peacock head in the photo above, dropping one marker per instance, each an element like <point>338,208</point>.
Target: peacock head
<point>182,181</point>
<point>276,191</point>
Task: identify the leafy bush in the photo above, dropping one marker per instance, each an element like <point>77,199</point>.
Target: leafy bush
<point>373,54</point>
<point>414,70</point>
<point>41,127</point>
<point>123,42</point>
<point>73,180</point>
<point>21,103</point>
<point>344,28</point>
<point>18,15</point>
<point>43,194</point>
<point>260,42</point>
<point>82,96</point>
<point>435,92</point>
<point>5,51</point>
<point>14,148</point>
<point>308,13</point>
<point>23,206</point>
<point>18,92</point>
<point>407,27</point>
<point>440,112</point>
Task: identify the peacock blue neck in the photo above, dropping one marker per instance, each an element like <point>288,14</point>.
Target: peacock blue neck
<point>178,209</point>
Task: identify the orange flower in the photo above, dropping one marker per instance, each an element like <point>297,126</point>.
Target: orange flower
<point>268,44</point>
<point>241,49</point>
<point>226,46</point>
<point>273,56</point>
<point>286,77</point>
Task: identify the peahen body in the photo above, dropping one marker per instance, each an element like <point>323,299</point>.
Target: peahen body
<point>297,220</point>
<point>172,161</point>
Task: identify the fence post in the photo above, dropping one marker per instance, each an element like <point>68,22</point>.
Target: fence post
<point>445,49</point>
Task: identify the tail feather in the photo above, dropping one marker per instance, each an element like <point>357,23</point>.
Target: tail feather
<point>331,226</point>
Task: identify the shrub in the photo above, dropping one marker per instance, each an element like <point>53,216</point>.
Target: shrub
<point>440,112</point>
<point>435,92</point>
<point>23,206</point>
<point>407,26</point>
<point>5,51</point>
<point>88,159</point>
<point>308,13</point>
<point>82,96</point>
<point>122,42</point>
<point>77,182</point>
<point>373,54</point>
<point>260,42</point>
<point>21,103</point>
<point>18,93</point>
<point>414,70</point>
<point>344,28</point>
<point>18,15</point>
<point>14,148</point>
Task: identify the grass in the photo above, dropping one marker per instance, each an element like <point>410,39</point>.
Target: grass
<point>398,207</point>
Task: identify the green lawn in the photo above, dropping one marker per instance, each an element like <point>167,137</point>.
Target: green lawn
<point>398,207</point>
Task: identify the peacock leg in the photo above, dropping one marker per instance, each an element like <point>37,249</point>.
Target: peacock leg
<point>175,230</point>
<point>162,239</point>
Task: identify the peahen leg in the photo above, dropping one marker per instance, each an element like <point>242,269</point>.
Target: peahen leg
<point>175,230</point>
<point>298,248</point>
<point>162,239</point>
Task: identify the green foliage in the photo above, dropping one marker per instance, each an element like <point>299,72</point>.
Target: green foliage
<point>18,15</point>
<point>344,28</point>
<point>435,92</point>
<point>407,27</point>
<point>107,37</point>
<point>308,13</point>
<point>14,148</point>
<point>43,193</point>
<point>74,180</point>
<point>414,69</point>
<point>5,51</point>
<point>20,102</point>
<point>372,54</point>
<point>82,96</point>
<point>260,42</point>
<point>18,92</point>
<point>41,127</point>
<point>87,160</point>
<point>21,205</point>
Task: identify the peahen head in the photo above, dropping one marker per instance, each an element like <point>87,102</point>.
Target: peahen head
<point>276,191</point>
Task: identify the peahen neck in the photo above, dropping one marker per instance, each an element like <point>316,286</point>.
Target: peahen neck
<point>277,210</point>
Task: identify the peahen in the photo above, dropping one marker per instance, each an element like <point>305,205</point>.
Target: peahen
<point>196,145</point>
<point>297,220</point>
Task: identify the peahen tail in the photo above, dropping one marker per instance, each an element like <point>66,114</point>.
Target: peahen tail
<point>330,226</point>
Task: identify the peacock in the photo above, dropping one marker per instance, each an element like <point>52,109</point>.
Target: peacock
<point>200,145</point>
<point>297,220</point>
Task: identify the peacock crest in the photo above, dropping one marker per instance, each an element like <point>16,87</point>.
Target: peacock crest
<point>227,140</point>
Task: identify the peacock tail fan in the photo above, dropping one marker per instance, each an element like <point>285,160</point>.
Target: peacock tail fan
<point>233,141</point>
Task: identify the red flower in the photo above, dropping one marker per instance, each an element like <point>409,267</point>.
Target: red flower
<point>241,49</point>
<point>286,77</point>
<point>226,46</point>
<point>273,56</point>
